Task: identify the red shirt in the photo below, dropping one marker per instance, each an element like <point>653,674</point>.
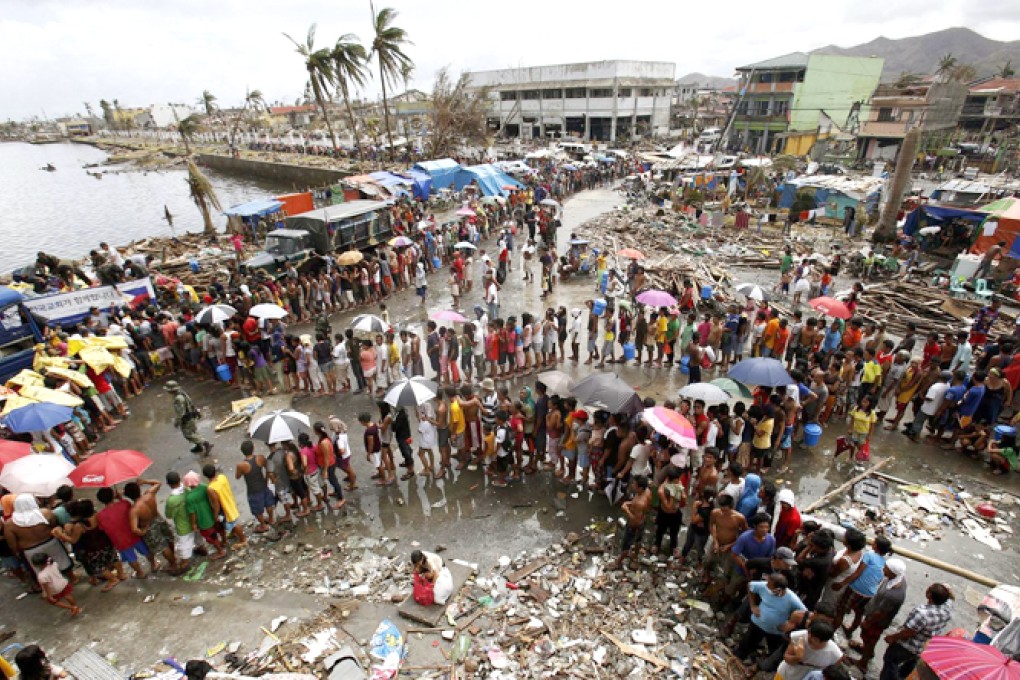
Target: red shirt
<point>115,521</point>
<point>102,386</point>
<point>931,350</point>
<point>251,329</point>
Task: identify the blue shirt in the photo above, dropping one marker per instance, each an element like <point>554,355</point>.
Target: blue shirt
<point>747,547</point>
<point>775,610</point>
<point>955,393</point>
<point>971,400</point>
<point>831,341</point>
<point>867,583</point>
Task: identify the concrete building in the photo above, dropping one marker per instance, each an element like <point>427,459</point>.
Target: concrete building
<point>932,105</point>
<point>992,105</point>
<point>782,101</point>
<point>603,100</point>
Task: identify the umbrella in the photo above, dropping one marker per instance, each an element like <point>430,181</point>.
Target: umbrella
<point>369,323</point>
<point>579,241</point>
<point>928,231</point>
<point>466,212</point>
<point>753,291</point>
<point>110,467</point>
<point>37,417</point>
<point>509,187</point>
<point>401,242</point>
<point>278,426</point>
<point>830,307</point>
<point>549,201</point>
<point>760,371</point>
<point>11,451</point>
<point>569,166</point>
<point>350,257</point>
<point>40,474</point>
<point>214,314</point>
<point>631,253</point>
<point>557,382</point>
<point>706,392</point>
<point>267,310</point>
<point>607,391</point>
<point>447,315</point>
<point>411,392</point>
<point>465,244</point>
<point>656,298</point>
<point>732,387</point>
<point>674,426</point>
<point>960,659</point>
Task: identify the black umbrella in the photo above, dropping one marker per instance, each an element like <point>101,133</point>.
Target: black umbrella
<point>607,391</point>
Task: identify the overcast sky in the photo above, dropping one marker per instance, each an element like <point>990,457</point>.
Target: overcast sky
<point>57,54</point>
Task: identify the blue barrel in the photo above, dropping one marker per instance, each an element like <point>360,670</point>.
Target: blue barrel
<point>812,433</point>
<point>223,372</point>
<point>706,292</point>
<point>598,307</point>
<point>1003,431</point>
<point>194,265</point>
<point>629,351</point>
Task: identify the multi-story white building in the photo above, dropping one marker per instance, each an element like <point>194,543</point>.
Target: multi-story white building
<point>601,100</point>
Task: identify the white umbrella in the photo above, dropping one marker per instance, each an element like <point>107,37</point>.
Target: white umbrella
<point>549,201</point>
<point>753,291</point>
<point>278,426</point>
<point>706,392</point>
<point>411,392</point>
<point>465,244</point>
<point>369,323</point>
<point>215,314</point>
<point>557,382</point>
<point>39,474</point>
<point>268,310</point>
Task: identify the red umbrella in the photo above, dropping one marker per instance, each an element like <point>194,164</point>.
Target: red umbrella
<point>830,307</point>
<point>109,468</point>
<point>11,450</point>
<point>631,253</point>
<point>960,659</point>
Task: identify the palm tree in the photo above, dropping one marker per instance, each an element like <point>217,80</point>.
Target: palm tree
<point>946,65</point>
<point>319,64</point>
<point>388,49</point>
<point>1007,70</point>
<point>203,196</point>
<point>252,100</point>
<point>188,128</point>
<point>350,67</point>
<point>207,101</point>
<point>107,113</point>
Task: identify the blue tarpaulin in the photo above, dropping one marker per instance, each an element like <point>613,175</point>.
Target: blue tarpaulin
<point>442,171</point>
<point>260,206</point>
<point>422,183</point>
<point>490,179</point>
<point>936,216</point>
<point>396,184</point>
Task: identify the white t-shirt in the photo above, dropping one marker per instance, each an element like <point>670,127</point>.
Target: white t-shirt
<point>933,398</point>
<point>492,293</point>
<point>814,659</point>
<point>343,445</point>
<point>340,354</point>
<point>640,454</point>
<point>734,491</point>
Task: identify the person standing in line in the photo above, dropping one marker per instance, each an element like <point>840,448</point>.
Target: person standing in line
<point>923,622</point>
<point>254,470</point>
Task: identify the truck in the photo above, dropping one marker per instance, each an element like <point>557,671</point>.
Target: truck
<point>359,224</point>
<point>19,334</point>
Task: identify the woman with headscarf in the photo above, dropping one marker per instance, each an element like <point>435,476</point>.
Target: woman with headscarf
<point>881,610</point>
<point>747,505</point>
<point>789,519</point>
<point>29,533</point>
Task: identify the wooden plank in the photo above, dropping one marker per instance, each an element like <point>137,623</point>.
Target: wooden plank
<point>631,650</point>
<point>433,615</point>
<point>527,570</point>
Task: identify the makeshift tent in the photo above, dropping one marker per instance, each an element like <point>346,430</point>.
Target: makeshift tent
<point>1002,223</point>
<point>443,171</point>
<point>422,186</point>
<point>490,179</point>
<point>835,193</point>
<point>936,216</point>
<point>250,215</point>
<point>395,184</point>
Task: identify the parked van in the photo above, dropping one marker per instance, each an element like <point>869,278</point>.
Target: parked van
<point>710,135</point>
<point>576,150</point>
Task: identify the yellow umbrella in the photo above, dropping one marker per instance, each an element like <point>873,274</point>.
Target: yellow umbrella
<point>16,401</point>
<point>350,257</point>
<point>79,379</point>
<point>52,396</point>
<point>26,377</point>
<point>98,358</point>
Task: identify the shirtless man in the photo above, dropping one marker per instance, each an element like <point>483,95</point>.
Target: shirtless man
<point>715,336</point>
<point>29,531</point>
<point>554,431</point>
<point>708,474</point>
<point>471,406</point>
<point>628,440</point>
<point>417,367</point>
<point>636,510</point>
<point>149,525</point>
<point>443,435</point>
<point>725,525</point>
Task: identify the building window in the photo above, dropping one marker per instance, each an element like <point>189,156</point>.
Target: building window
<point>885,115</point>
<point>508,96</point>
<point>761,107</point>
<point>623,92</point>
<point>742,108</point>
<point>779,108</point>
<point>529,94</point>
<point>600,92</point>
<point>575,93</point>
<point>552,94</point>
<point>646,92</point>
<point>766,77</point>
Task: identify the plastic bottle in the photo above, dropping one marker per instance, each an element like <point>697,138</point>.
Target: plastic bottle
<point>461,648</point>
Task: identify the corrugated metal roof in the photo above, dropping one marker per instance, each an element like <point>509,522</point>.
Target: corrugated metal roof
<point>792,60</point>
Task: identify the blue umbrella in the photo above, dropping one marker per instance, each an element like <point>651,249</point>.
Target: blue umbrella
<point>761,371</point>
<point>37,417</point>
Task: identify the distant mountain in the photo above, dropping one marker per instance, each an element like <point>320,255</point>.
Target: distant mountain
<point>921,53</point>
<point>707,82</point>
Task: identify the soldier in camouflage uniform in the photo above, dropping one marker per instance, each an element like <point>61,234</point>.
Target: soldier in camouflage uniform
<point>186,417</point>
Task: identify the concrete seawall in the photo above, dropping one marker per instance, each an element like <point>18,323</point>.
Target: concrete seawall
<point>300,176</point>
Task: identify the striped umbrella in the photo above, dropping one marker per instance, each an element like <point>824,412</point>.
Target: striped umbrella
<point>674,426</point>
<point>278,426</point>
<point>411,392</point>
<point>753,291</point>
<point>369,323</point>
<point>401,242</point>
<point>960,659</point>
<point>214,314</point>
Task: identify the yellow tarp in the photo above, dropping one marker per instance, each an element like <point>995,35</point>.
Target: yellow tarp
<point>26,377</point>
<point>51,396</point>
<point>98,358</point>
<point>79,379</point>
<point>16,401</point>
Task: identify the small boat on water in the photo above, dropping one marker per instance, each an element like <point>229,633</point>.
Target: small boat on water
<point>49,167</point>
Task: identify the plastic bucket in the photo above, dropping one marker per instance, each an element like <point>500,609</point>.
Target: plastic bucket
<point>223,372</point>
<point>598,307</point>
<point>706,292</point>
<point>1003,430</point>
<point>685,367</point>
<point>812,433</point>
<point>604,283</point>
<point>629,351</point>
<point>437,263</point>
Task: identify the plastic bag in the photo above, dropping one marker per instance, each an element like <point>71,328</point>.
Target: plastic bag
<point>864,453</point>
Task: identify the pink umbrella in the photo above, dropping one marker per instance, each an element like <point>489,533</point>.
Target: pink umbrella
<point>830,307</point>
<point>11,451</point>
<point>466,212</point>
<point>448,315</point>
<point>656,298</point>
<point>674,426</point>
<point>959,659</point>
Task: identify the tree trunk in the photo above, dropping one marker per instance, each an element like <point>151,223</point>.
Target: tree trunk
<point>187,147</point>
<point>210,228</point>
<point>386,110</point>
<point>325,116</point>
<point>354,124</point>
<point>237,123</point>
<point>885,232</point>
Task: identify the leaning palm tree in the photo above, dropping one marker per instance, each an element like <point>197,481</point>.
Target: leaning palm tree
<point>388,49</point>
<point>946,65</point>
<point>203,196</point>
<point>319,64</point>
<point>188,128</point>
<point>253,101</point>
<point>208,102</point>
<point>350,68</point>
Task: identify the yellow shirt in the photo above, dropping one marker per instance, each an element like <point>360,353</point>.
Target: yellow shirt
<point>769,337</point>
<point>763,434</point>
<point>861,422</point>
<point>6,670</point>
<point>228,505</point>
<point>872,372</point>
<point>661,325</point>
<point>457,424</point>
<point>489,448</point>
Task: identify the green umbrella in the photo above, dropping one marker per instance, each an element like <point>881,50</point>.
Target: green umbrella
<point>732,387</point>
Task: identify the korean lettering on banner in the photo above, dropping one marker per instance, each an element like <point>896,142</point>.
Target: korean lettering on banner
<point>70,307</point>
